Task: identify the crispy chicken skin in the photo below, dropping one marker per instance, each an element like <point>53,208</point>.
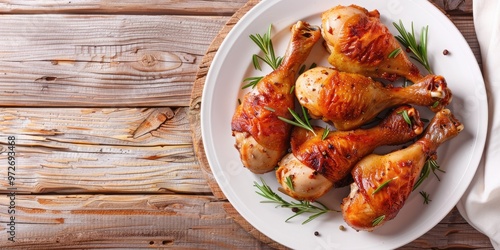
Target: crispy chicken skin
<point>359,43</point>
<point>261,138</point>
<point>400,169</point>
<point>350,100</point>
<point>315,165</point>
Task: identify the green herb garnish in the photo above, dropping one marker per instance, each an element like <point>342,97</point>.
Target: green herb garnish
<point>385,183</point>
<point>266,45</point>
<point>326,132</point>
<point>394,53</point>
<point>408,39</point>
<point>252,81</point>
<point>298,207</point>
<point>299,122</point>
<point>378,220</point>
<point>430,165</point>
<point>425,196</point>
<point>269,108</point>
<point>406,117</point>
<point>436,103</point>
<point>289,182</point>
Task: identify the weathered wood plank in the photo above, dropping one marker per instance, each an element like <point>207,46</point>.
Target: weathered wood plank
<point>94,150</point>
<point>174,221</point>
<point>184,7</point>
<point>169,7</point>
<point>121,221</point>
<point>101,60</point>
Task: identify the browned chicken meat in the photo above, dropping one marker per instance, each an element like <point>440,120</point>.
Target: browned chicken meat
<point>261,138</point>
<point>350,100</point>
<point>384,182</point>
<point>315,165</point>
<point>359,43</point>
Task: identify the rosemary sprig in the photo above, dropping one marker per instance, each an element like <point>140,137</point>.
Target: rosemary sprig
<point>299,207</point>
<point>299,122</point>
<point>378,220</point>
<point>430,165</point>
<point>425,195</point>
<point>266,45</point>
<point>409,40</point>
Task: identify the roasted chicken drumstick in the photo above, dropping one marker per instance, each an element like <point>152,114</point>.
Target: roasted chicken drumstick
<point>261,138</point>
<point>359,43</point>
<point>394,175</point>
<point>351,100</point>
<point>315,165</point>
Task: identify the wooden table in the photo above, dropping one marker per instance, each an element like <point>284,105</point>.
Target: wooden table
<point>96,96</point>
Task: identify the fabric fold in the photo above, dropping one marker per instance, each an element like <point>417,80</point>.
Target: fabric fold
<point>480,205</point>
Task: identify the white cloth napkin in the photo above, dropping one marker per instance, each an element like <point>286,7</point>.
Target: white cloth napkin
<point>480,205</point>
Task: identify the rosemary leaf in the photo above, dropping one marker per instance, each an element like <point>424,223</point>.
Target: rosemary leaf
<point>326,132</point>
<point>289,182</point>
<point>314,216</point>
<point>269,108</point>
<point>255,62</point>
<point>252,81</point>
<point>306,117</point>
<point>378,220</point>
<point>394,53</point>
<point>384,184</point>
<point>302,69</point>
<point>436,103</point>
<point>406,117</point>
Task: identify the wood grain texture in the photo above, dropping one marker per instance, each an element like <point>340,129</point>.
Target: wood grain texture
<point>197,91</point>
<point>93,150</point>
<point>101,60</point>
<point>131,7</point>
<point>122,221</point>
